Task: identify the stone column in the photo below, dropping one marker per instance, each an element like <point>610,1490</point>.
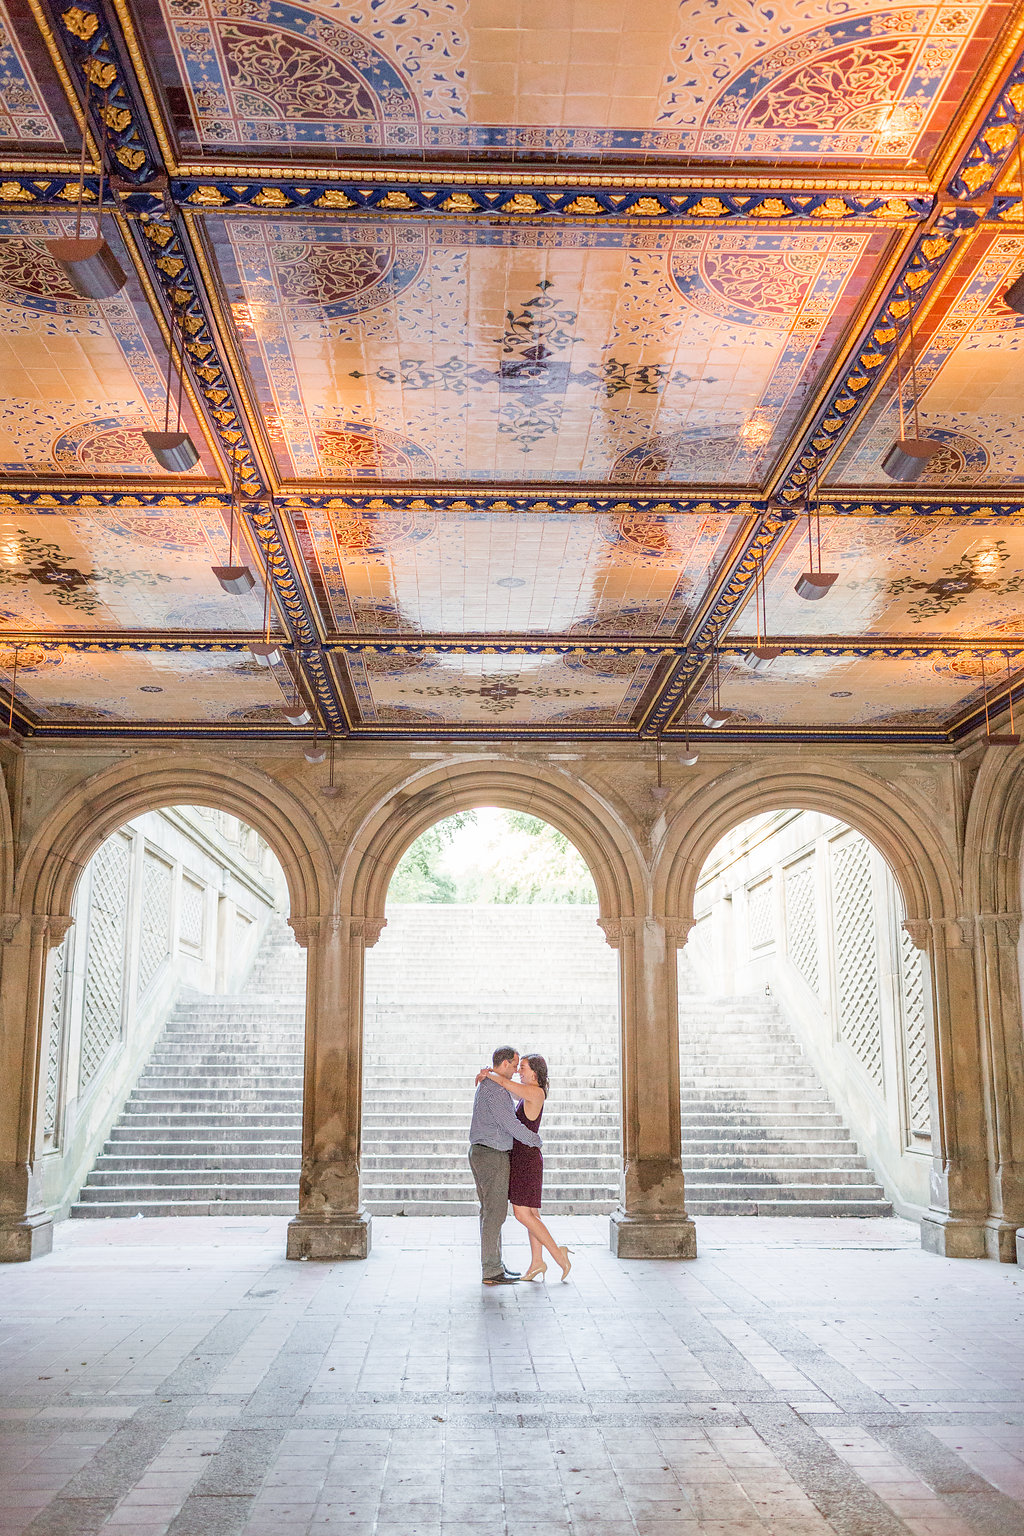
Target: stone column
<point>652,1222</point>
<point>331,1223</point>
<point>996,935</point>
<point>956,1222</point>
<point>26,1226</point>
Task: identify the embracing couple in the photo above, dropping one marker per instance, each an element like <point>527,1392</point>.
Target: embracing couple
<point>504,1154</point>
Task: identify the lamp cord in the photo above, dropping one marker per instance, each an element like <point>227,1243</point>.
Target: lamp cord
<point>81,163</point>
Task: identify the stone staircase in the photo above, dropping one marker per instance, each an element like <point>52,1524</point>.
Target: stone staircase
<point>444,986</point>
<point>760,1136</point>
<point>213,1127</point>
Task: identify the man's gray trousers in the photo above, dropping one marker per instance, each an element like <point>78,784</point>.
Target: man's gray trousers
<point>490,1170</point>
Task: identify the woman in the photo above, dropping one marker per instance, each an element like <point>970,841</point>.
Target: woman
<point>526,1169</point>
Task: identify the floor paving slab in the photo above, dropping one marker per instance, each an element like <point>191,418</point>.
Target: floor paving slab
<point>177,1377</point>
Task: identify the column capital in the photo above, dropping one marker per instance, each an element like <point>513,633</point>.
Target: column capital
<point>1002,927</point>
<point>51,927</point>
<point>617,929</point>
<point>676,930</point>
<point>9,926</point>
<point>369,929</point>
<point>952,932</point>
<point>333,925</point>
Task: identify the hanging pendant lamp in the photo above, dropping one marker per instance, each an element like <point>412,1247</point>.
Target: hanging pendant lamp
<point>909,457</point>
<point>7,732</point>
<point>760,656</point>
<point>236,580</point>
<point>173,450</point>
<point>659,791</point>
<point>330,790</point>
<point>714,717</point>
<point>89,265</point>
<point>1010,738</point>
<point>297,712</point>
<point>814,583</point>
<point>266,652</point>
<point>1013,298</point>
<point>689,756</point>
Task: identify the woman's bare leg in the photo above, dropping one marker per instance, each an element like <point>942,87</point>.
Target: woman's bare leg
<point>540,1237</point>
<point>536,1251</point>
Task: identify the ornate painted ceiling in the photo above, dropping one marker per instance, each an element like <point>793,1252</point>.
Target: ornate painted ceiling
<point>526,333</point>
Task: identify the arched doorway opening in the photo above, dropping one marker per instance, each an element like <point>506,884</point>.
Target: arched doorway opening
<point>173,1012</point>
<point>805,1028</point>
<point>492,938</point>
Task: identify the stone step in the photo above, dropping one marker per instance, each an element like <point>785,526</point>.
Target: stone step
<point>555,1162</point>
<point>287,1161</point>
<point>286,1205</point>
<point>779,1206</point>
<point>270,1187</point>
<point>214,1125</point>
<point>555,1193</point>
<point>776,1162</point>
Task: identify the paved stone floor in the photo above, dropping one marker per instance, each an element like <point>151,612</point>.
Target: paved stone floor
<point>799,1378</point>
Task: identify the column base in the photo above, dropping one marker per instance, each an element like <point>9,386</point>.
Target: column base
<point>1020,1246</point>
<point>953,1238</point>
<point>651,1237</point>
<point>329,1237</point>
<point>1001,1239</point>
<point>28,1239</point>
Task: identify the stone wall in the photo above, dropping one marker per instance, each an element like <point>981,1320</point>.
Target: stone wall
<point>802,904</point>
<point>177,898</point>
<point>948,821</point>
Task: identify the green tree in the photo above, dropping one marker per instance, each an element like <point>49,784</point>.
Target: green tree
<point>518,859</point>
<point>421,873</point>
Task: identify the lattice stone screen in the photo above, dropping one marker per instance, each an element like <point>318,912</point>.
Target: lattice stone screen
<point>55,1038</point>
<point>155,931</point>
<point>193,905</point>
<point>915,1035</point>
<point>760,915</point>
<point>860,1021</point>
<point>104,981</point>
<point>802,920</point>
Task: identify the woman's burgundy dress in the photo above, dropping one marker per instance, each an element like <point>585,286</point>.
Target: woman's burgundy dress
<point>526,1166</point>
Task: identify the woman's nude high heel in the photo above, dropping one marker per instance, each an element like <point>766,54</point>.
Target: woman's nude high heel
<point>536,1271</point>
<point>565,1261</point>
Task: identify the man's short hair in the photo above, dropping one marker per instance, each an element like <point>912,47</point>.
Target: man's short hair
<point>504,1053</point>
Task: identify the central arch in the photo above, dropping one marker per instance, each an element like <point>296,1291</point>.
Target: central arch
<point>652,1221</point>
<point>589,821</point>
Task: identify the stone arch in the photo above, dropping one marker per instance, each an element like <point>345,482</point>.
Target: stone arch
<point>586,819</point>
<point>59,852</point>
<point>6,847</point>
<point>994,835</point>
<point>921,865</point>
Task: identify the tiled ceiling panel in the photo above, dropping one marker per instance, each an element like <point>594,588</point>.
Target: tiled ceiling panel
<point>81,380</point>
<point>451,351</point>
<point>130,568</point>
<point>837,693</point>
<point>498,691</point>
<point>608,79</point>
<point>140,688</point>
<point>34,115</point>
<point>902,576</point>
<point>969,358</point>
<point>420,570</point>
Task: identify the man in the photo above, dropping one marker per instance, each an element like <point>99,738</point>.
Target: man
<point>493,1129</point>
